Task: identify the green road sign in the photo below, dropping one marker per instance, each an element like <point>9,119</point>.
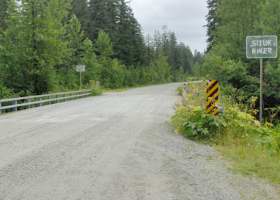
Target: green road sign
<point>261,46</point>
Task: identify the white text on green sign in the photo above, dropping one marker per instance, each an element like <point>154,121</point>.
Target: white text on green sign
<point>261,46</point>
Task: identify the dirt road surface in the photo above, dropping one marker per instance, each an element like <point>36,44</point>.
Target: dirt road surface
<point>119,146</point>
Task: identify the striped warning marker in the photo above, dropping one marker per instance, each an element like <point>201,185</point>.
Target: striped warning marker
<point>213,96</point>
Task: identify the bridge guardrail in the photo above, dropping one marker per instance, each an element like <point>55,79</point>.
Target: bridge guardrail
<point>14,104</point>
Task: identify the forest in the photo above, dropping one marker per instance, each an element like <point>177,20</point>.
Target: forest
<point>41,42</point>
<point>251,146</point>
<point>228,24</point>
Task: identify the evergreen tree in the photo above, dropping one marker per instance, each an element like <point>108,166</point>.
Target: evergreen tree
<point>162,70</point>
<point>149,50</point>
<point>129,46</point>
<point>179,57</point>
<point>12,51</point>
<point>112,72</point>
<point>104,51</point>
<point>102,17</point>
<point>75,43</point>
<point>81,10</point>
<point>212,22</point>
<point>185,59</point>
<point>37,27</point>
<point>81,52</point>
<point>43,42</point>
<point>237,19</point>
<point>172,51</point>
<point>3,12</point>
<point>76,40</point>
<point>226,59</point>
<point>104,46</point>
<point>93,67</point>
<point>116,18</point>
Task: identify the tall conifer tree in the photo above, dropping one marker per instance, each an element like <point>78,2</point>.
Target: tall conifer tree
<point>3,12</point>
<point>212,22</point>
<point>81,10</point>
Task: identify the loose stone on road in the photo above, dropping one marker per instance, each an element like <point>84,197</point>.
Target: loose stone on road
<point>119,146</point>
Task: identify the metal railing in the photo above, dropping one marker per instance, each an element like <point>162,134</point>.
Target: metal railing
<point>15,104</point>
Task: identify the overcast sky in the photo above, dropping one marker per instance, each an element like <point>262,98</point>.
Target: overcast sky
<point>185,17</point>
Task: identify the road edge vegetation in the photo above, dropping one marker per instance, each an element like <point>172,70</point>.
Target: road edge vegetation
<point>251,148</point>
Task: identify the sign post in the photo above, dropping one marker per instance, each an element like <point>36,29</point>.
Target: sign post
<point>80,69</point>
<point>261,47</point>
<point>261,91</point>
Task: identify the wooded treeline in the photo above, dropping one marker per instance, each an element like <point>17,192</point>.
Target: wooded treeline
<point>229,22</point>
<point>41,42</point>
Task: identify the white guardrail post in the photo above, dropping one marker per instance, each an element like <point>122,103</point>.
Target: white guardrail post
<point>15,104</point>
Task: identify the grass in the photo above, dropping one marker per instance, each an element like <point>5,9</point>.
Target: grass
<point>248,158</point>
<point>251,149</point>
<point>115,90</point>
<point>252,161</point>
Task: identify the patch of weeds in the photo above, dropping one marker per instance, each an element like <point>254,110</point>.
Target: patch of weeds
<point>96,91</point>
<point>195,124</point>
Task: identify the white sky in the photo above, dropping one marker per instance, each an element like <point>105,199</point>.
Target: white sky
<point>185,17</point>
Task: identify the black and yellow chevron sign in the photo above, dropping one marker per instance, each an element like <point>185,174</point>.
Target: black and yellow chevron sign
<point>213,96</point>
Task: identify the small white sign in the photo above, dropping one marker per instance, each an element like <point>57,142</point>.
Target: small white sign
<point>80,68</point>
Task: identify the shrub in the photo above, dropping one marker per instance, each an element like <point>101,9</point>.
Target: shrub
<point>194,123</point>
<point>180,91</point>
<point>234,123</point>
<point>95,88</point>
<point>96,91</point>
<point>5,92</point>
<point>253,148</point>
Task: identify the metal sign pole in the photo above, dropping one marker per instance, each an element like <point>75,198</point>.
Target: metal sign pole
<point>80,69</point>
<point>262,47</point>
<point>261,91</point>
<point>80,80</point>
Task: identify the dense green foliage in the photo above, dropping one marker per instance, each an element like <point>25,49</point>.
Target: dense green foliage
<point>212,20</point>
<point>229,22</point>
<point>3,12</point>
<point>32,47</point>
<point>255,149</point>
<point>80,9</point>
<point>194,123</point>
<point>116,18</point>
<point>41,42</point>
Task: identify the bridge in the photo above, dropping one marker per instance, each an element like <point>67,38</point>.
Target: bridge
<point>118,146</point>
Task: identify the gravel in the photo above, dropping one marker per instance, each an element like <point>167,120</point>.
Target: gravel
<point>119,146</point>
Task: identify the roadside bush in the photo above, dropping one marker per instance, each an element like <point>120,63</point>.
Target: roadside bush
<point>240,123</point>
<point>254,149</point>
<point>233,125</point>
<point>96,91</point>
<point>194,123</point>
<point>95,88</point>
<point>5,92</point>
<point>180,91</point>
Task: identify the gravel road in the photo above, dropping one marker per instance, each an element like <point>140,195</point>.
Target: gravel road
<point>119,146</point>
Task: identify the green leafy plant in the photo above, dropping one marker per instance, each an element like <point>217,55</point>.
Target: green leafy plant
<point>95,88</point>
<point>96,91</point>
<point>194,123</point>
<point>180,91</point>
<point>253,148</point>
<point>5,92</point>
